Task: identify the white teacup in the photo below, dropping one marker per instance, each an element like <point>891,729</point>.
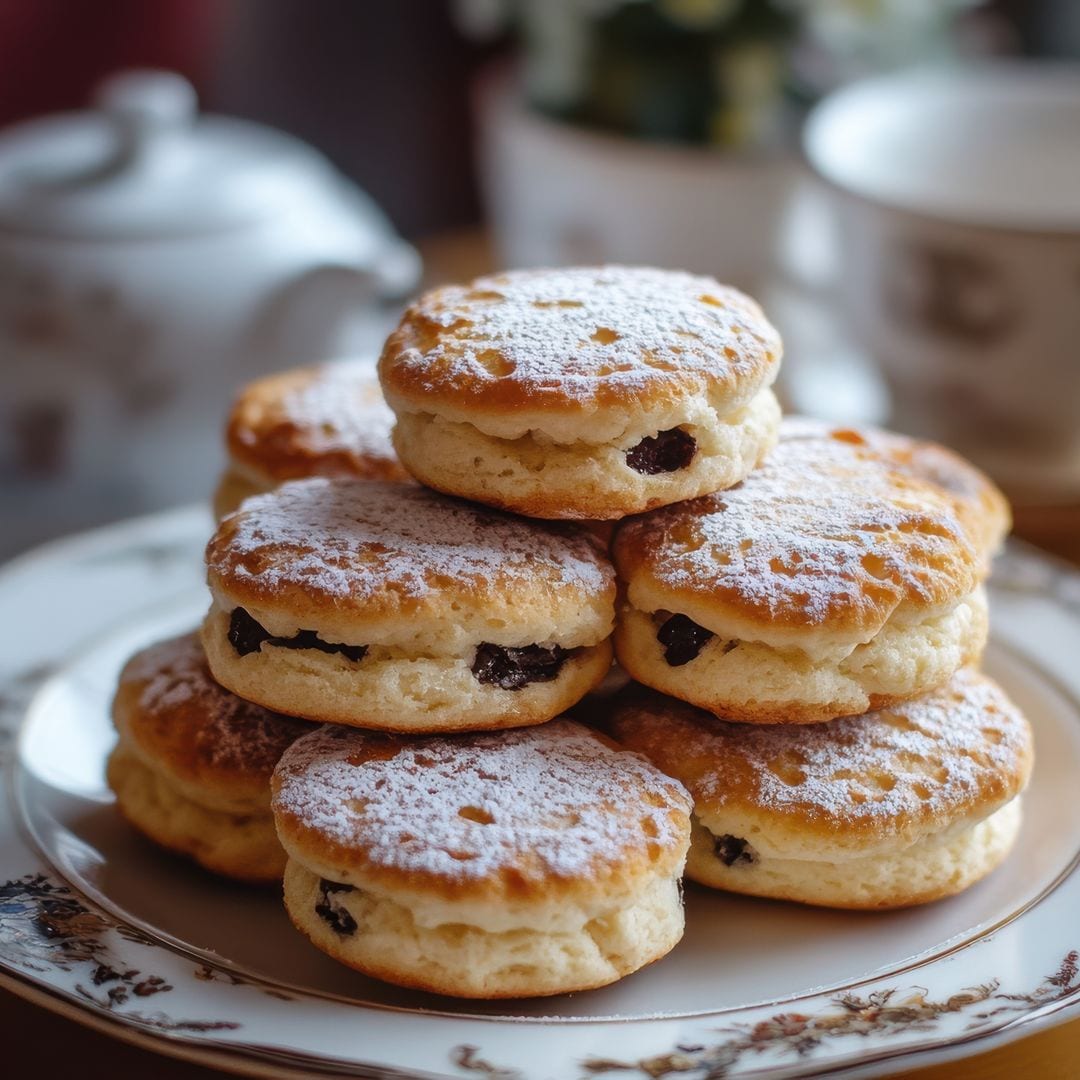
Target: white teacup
<point>957,196</point>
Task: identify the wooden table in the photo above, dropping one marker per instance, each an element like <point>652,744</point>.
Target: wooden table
<point>47,1045</point>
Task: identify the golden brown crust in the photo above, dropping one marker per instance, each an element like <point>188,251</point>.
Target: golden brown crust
<point>980,504</point>
<point>872,782</point>
<point>833,533</point>
<point>241,847</point>
<point>324,554</point>
<point>324,420</point>
<point>536,814</point>
<point>576,342</point>
<point>203,737</point>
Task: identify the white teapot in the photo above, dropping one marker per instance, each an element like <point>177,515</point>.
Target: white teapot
<point>151,260</point>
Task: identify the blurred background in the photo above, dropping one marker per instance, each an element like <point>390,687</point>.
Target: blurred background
<point>898,181</point>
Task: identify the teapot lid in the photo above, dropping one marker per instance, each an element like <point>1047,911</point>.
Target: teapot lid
<point>144,162</point>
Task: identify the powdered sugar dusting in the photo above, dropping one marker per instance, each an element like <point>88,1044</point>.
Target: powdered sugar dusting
<point>831,525</point>
<point>342,409</point>
<point>465,807</point>
<point>211,726</point>
<point>354,539</point>
<point>327,420</point>
<point>933,755</point>
<point>567,332</point>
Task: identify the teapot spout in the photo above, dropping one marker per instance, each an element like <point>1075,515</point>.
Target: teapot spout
<point>398,271</point>
<point>334,309</point>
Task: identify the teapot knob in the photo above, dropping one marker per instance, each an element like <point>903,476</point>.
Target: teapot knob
<point>144,105</point>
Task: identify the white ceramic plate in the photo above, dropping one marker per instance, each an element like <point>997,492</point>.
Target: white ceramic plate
<point>100,925</point>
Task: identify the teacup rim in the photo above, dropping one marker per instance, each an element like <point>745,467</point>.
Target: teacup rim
<point>1033,76</point>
